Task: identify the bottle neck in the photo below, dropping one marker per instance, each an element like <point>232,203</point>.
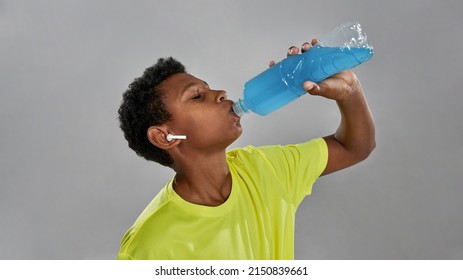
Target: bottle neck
<point>240,108</point>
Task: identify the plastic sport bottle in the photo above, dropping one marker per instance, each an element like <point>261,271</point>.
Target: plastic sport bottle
<point>343,48</point>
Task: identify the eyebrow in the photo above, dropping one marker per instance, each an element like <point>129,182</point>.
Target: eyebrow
<point>187,86</point>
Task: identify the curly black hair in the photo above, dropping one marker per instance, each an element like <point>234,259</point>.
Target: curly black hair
<point>143,105</point>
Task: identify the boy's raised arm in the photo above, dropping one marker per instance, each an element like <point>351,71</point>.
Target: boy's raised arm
<point>354,139</point>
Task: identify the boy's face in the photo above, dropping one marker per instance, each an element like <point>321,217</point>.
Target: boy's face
<point>204,115</point>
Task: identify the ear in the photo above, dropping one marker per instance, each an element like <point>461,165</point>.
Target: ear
<point>157,136</point>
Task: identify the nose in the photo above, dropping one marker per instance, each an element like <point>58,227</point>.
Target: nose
<point>221,96</point>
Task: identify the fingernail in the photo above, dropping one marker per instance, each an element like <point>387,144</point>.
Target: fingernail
<point>305,46</point>
<point>309,86</point>
<point>290,50</point>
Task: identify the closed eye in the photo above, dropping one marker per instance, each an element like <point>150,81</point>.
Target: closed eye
<point>197,95</point>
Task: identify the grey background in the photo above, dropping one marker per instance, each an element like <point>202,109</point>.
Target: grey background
<point>70,186</point>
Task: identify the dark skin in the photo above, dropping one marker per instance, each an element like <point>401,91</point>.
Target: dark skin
<point>205,116</point>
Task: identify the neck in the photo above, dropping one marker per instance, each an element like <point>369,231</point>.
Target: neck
<point>203,180</point>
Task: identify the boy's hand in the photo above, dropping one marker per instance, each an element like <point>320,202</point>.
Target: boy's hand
<point>336,87</point>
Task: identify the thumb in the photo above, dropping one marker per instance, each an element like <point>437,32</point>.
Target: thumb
<point>311,87</point>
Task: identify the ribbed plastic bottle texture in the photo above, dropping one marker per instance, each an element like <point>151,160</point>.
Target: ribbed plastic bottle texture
<point>343,48</point>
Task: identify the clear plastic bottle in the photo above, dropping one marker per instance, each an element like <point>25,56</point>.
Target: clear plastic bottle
<point>343,48</point>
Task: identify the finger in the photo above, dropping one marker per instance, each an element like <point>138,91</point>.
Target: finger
<point>292,51</point>
<point>305,47</point>
<point>271,63</point>
<point>311,87</point>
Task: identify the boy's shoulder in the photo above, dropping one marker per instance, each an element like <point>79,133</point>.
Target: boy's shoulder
<point>268,151</point>
<point>151,211</point>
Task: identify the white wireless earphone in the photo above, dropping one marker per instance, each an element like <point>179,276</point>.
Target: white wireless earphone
<point>171,137</point>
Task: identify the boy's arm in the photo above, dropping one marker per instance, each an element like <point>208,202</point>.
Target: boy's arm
<point>354,139</point>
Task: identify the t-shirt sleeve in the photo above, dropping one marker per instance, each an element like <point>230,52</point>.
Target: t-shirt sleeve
<point>297,166</point>
<point>124,257</point>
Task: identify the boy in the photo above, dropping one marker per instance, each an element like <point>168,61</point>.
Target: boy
<point>239,204</point>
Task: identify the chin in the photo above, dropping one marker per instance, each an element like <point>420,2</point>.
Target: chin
<point>234,137</point>
<point>239,132</point>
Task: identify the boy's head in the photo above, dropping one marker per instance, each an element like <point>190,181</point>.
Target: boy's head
<point>143,106</point>
<point>166,99</point>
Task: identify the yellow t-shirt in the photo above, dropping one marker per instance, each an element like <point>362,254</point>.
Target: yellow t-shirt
<point>256,221</point>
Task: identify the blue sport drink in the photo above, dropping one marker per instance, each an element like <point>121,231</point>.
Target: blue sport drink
<point>282,83</point>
